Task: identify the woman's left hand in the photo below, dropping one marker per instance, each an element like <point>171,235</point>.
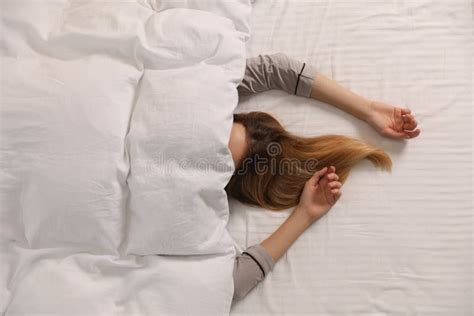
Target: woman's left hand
<point>393,122</point>
<point>320,193</point>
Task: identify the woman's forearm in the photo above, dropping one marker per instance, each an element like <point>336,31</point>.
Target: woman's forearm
<point>279,242</point>
<point>329,91</point>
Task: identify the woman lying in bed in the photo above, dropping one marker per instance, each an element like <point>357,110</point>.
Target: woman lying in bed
<point>275,169</point>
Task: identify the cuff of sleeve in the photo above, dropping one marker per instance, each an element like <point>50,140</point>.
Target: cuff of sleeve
<point>305,82</point>
<point>259,253</point>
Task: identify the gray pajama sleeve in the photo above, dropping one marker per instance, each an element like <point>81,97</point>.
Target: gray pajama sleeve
<point>250,268</point>
<point>277,71</point>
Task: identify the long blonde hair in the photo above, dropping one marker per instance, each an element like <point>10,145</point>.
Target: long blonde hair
<point>278,163</point>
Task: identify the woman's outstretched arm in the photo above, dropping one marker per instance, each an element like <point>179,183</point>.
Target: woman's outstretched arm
<point>278,71</point>
<point>388,120</point>
<point>319,194</point>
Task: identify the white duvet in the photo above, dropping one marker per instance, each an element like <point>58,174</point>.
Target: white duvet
<point>115,117</point>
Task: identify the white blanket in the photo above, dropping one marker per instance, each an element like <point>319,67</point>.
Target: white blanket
<point>115,122</point>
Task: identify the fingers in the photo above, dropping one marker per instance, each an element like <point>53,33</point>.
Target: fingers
<point>328,180</point>
<point>334,185</point>
<point>405,128</point>
<point>393,134</point>
<point>406,111</point>
<point>317,176</point>
<point>400,135</point>
<point>409,126</point>
<point>333,195</point>
<point>324,183</point>
<point>409,122</point>
<point>332,176</point>
<point>412,134</point>
<point>332,179</point>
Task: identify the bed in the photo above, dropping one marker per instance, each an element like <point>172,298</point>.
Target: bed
<point>92,95</point>
<point>395,244</point>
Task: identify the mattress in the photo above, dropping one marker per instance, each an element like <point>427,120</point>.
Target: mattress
<point>396,243</point>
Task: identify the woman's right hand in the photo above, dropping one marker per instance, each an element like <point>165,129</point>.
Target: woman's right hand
<point>320,193</point>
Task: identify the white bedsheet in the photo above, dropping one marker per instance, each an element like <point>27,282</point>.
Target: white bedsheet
<point>395,244</point>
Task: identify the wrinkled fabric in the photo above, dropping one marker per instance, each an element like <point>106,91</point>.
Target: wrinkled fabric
<point>110,115</point>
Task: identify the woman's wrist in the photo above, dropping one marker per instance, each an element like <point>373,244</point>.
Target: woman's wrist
<point>279,242</point>
<point>368,110</point>
<point>304,216</point>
